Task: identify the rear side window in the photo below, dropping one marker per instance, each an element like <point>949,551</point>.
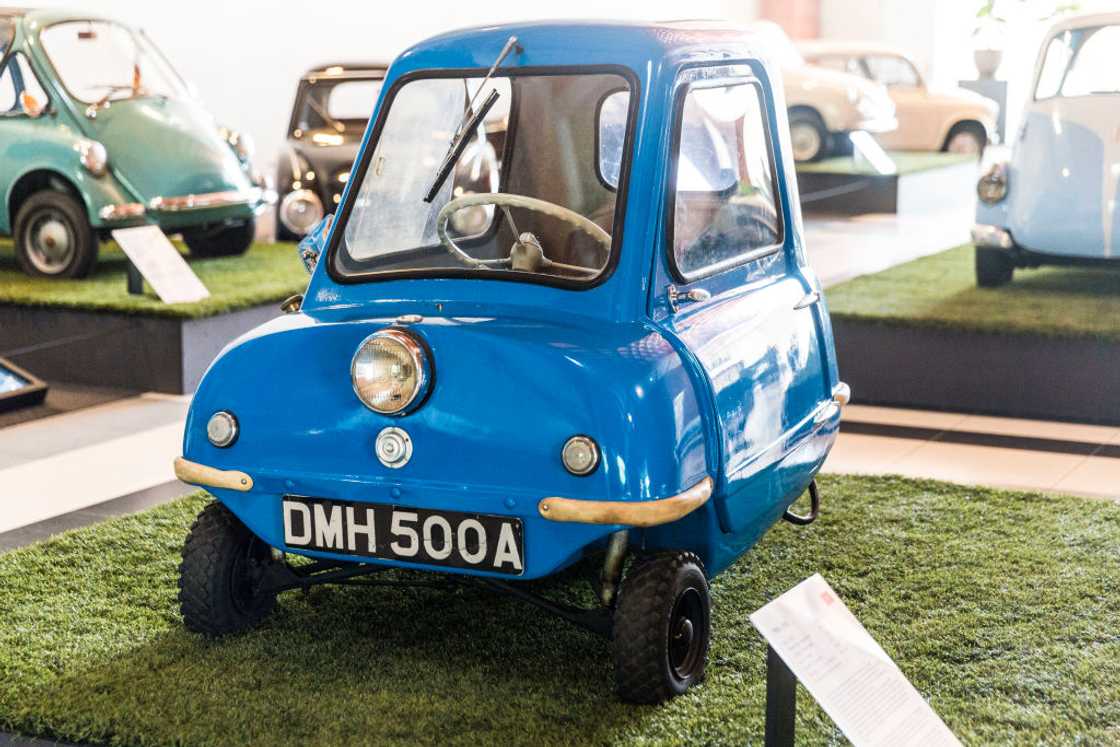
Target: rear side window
<point>725,204</point>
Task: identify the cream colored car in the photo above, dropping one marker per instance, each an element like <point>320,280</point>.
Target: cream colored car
<point>824,105</point>
<point>953,119</point>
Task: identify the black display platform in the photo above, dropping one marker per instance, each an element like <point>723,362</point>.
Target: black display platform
<point>1024,376</point>
<point>19,388</point>
<point>145,353</point>
<point>918,192</point>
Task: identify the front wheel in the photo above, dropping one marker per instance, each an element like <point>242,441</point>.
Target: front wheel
<point>662,628</point>
<point>993,268</point>
<point>219,578</point>
<point>808,136</point>
<point>53,236</point>
<point>225,240</point>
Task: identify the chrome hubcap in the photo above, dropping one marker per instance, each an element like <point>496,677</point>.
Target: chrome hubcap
<point>50,243</point>
<point>806,141</point>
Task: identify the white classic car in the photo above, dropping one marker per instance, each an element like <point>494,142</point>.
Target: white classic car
<point>950,119</point>
<point>824,105</point>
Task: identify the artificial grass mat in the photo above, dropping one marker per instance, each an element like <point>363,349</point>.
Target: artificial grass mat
<point>940,291</point>
<point>1000,607</point>
<point>267,273</point>
<point>906,162</point>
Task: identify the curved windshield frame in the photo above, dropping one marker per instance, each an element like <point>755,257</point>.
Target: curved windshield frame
<point>388,233</point>
<point>100,62</point>
<point>7,31</point>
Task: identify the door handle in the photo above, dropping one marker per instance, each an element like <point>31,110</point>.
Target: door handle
<point>808,300</point>
<point>676,297</point>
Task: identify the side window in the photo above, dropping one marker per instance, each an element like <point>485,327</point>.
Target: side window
<point>892,71</point>
<point>725,206</point>
<point>20,92</point>
<point>613,113</point>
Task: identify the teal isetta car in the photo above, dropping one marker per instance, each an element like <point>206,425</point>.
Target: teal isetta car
<point>1057,201</point>
<point>97,132</point>
<point>617,354</point>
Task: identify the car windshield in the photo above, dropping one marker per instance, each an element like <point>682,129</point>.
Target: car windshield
<point>333,108</point>
<point>1080,62</point>
<point>100,61</point>
<point>550,146</point>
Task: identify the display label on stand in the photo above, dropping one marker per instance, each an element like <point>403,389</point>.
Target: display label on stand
<point>846,671</point>
<point>160,263</point>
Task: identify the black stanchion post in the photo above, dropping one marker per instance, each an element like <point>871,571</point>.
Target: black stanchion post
<point>781,701</point>
<point>135,280</point>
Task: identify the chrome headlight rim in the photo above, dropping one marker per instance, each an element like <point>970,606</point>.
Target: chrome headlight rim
<point>421,359</point>
<point>234,429</point>
<point>581,439</point>
<point>93,157</point>
<point>996,179</point>
<point>288,202</point>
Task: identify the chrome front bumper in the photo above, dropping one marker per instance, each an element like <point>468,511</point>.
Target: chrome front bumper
<point>992,237</point>
<point>253,198</point>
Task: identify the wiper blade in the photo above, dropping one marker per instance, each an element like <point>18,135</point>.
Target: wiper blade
<point>470,121</point>
<point>460,144</point>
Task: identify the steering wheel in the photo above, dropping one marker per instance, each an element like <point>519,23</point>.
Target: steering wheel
<point>527,253</point>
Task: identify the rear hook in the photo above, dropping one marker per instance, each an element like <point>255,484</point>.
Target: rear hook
<point>814,508</point>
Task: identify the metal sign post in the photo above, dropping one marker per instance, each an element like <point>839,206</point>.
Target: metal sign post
<point>781,701</point>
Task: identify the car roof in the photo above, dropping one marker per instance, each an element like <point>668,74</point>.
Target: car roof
<point>633,44</point>
<point>348,70</point>
<point>819,47</point>
<point>49,16</point>
<point>1084,20</point>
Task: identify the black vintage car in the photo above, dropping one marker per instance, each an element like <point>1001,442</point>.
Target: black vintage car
<point>332,106</point>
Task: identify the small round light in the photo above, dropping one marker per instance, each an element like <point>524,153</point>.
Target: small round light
<point>580,455</point>
<point>93,156</point>
<point>300,211</point>
<point>390,371</point>
<point>992,187</point>
<point>222,429</point>
<point>393,447</point>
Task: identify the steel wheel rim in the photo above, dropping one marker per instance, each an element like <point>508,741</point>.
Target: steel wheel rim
<point>806,141</point>
<point>964,142</point>
<point>50,242</point>
<point>686,634</point>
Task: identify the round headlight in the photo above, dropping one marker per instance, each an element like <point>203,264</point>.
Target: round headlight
<point>580,455</point>
<point>390,371</point>
<point>300,211</point>
<point>222,429</point>
<point>992,187</point>
<point>92,155</point>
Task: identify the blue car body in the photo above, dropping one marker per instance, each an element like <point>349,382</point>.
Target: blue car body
<point>737,383</point>
<point>1055,201</point>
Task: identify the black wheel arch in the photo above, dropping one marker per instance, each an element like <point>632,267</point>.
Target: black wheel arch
<point>963,125</point>
<point>38,180</point>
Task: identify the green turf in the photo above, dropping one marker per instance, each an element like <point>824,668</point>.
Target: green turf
<point>907,162</point>
<point>267,273</point>
<point>940,291</point>
<point>1001,607</point>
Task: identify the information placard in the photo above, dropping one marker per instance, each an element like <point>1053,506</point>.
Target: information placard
<point>846,671</point>
<point>160,263</point>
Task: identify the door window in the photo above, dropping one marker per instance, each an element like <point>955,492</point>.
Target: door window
<point>20,92</point>
<point>891,71</point>
<point>725,207</point>
<point>1080,62</point>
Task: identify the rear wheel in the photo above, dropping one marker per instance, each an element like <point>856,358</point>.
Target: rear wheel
<point>966,137</point>
<point>223,240</point>
<point>219,577</point>
<point>662,628</point>
<point>993,268</point>
<point>807,135</point>
<point>53,236</point>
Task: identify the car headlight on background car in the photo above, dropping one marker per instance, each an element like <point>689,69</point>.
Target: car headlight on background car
<point>300,211</point>
<point>93,156</point>
<point>391,372</point>
<point>992,187</point>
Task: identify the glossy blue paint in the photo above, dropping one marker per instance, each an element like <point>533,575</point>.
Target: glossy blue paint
<point>1064,171</point>
<point>737,387</point>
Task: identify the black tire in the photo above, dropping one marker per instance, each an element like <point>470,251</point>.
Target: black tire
<point>222,565</point>
<point>993,268</point>
<point>224,240</point>
<point>807,122</point>
<point>966,130</point>
<point>53,236</point>
<point>662,628</point>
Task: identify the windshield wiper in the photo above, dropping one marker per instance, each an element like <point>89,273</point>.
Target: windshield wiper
<point>470,121</point>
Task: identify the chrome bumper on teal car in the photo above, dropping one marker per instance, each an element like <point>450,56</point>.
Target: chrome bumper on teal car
<point>254,199</point>
<point>992,237</point>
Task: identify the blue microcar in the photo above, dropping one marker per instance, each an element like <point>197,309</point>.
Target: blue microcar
<point>1055,201</point>
<point>563,313</point>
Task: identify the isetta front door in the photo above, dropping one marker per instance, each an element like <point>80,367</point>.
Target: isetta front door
<point>738,299</point>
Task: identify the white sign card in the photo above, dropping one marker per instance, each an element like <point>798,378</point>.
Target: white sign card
<point>846,671</point>
<point>161,264</point>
